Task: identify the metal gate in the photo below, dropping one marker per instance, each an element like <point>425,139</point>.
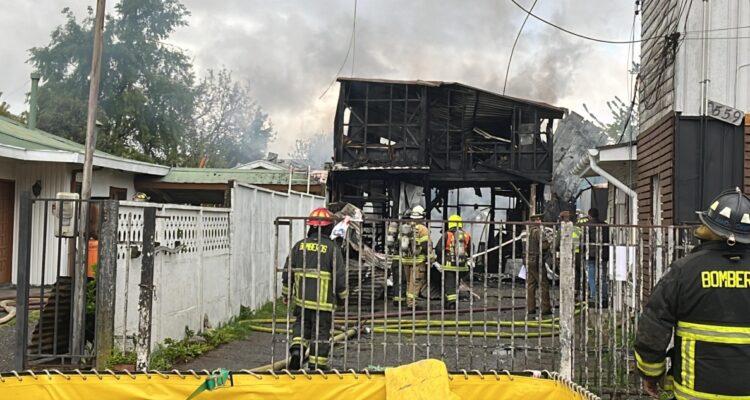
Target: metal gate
<point>600,275</point>
<point>64,317</point>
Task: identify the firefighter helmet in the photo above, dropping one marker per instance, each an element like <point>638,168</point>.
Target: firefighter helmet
<point>140,196</point>
<point>455,221</point>
<point>417,212</point>
<point>317,213</point>
<point>729,216</point>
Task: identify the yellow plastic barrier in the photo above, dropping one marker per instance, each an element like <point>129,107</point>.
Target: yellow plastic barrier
<point>281,385</point>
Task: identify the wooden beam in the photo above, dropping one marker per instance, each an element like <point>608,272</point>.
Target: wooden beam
<point>106,278</point>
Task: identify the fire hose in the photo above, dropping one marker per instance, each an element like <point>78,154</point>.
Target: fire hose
<point>380,323</point>
<point>10,307</point>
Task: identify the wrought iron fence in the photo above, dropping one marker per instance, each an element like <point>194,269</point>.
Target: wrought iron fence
<point>71,323</point>
<point>599,276</point>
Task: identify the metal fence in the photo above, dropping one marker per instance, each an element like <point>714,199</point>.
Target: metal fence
<point>73,316</point>
<point>599,277</point>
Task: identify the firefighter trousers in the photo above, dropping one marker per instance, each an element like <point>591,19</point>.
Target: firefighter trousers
<point>451,281</point>
<point>536,278</point>
<point>415,275</point>
<point>312,329</point>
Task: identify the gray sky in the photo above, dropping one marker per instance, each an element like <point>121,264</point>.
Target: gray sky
<point>290,51</point>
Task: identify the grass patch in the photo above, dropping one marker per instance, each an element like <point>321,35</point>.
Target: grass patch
<point>34,316</point>
<point>193,345</point>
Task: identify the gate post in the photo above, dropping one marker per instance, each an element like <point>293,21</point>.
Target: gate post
<point>567,300</point>
<point>146,297</point>
<point>106,276</point>
<point>22,280</point>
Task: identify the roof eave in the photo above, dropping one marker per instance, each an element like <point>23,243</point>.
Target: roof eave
<point>59,156</point>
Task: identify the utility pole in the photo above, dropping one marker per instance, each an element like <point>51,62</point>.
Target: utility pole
<point>79,271</point>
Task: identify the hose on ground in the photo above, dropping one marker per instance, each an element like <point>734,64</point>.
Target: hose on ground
<point>9,307</point>
<point>421,327</point>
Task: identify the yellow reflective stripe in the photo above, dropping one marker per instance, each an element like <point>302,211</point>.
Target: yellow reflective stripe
<point>409,260</point>
<point>685,376</point>
<point>451,267</point>
<point>344,294</point>
<point>451,297</point>
<point>298,340</point>
<point>284,290</point>
<point>318,360</point>
<point>313,274</point>
<point>422,239</point>
<point>410,296</point>
<point>313,305</point>
<point>713,333</point>
<point>650,369</point>
<point>691,364</point>
<point>684,393</point>
<point>323,293</point>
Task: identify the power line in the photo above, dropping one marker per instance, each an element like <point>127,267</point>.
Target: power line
<point>582,36</point>
<point>630,111</point>
<point>515,42</point>
<point>348,51</point>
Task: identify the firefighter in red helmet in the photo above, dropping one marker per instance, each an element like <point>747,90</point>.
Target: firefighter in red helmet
<point>314,277</point>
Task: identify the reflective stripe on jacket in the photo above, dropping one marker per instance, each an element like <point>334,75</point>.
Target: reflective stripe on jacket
<point>312,266</point>
<point>704,299</point>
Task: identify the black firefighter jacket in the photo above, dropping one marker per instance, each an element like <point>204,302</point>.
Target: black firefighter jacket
<point>317,271</point>
<point>704,300</point>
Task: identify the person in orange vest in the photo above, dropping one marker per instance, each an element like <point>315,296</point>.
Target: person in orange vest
<point>453,251</point>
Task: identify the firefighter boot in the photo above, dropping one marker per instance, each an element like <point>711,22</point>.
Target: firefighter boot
<point>295,359</point>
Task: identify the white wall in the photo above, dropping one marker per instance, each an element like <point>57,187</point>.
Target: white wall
<point>228,262</point>
<point>254,253</point>
<point>103,179</point>
<point>189,284</point>
<point>728,69</point>
<point>54,177</point>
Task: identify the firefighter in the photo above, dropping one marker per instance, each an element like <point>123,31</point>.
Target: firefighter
<point>414,240</point>
<point>536,273</point>
<point>453,252</point>
<point>596,258</point>
<point>315,268</point>
<point>704,299</point>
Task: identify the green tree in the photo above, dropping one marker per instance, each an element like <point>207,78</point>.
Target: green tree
<point>228,128</point>
<point>147,91</point>
<point>5,109</point>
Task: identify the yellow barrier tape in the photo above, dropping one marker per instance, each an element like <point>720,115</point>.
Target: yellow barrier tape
<point>281,386</point>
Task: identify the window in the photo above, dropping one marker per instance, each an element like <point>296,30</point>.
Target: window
<point>116,193</point>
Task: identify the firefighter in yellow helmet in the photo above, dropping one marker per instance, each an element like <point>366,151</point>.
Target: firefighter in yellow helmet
<point>314,278</point>
<point>453,251</point>
<point>701,305</point>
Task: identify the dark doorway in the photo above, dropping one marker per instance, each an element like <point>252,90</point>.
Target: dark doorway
<point>7,205</point>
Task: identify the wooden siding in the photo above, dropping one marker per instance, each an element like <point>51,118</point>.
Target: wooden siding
<point>656,87</point>
<point>655,158</point>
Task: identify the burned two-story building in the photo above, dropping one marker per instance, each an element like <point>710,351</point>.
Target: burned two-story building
<point>440,136</point>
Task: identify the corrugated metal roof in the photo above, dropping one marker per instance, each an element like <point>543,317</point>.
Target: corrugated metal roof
<point>217,175</point>
<point>38,145</point>
<point>497,96</point>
